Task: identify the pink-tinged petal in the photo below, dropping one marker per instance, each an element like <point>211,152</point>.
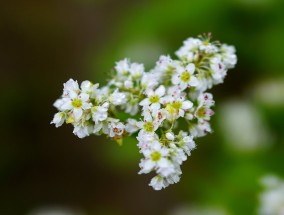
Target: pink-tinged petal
<point>84,97</point>
<point>67,105</point>
<point>193,81</point>
<point>144,102</point>
<point>77,113</point>
<point>160,91</point>
<point>175,79</point>
<point>190,67</point>
<point>186,105</point>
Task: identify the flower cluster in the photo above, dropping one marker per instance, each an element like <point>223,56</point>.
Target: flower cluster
<point>166,107</point>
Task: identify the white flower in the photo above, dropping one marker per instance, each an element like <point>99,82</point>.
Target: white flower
<point>177,154</point>
<point>187,144</point>
<point>116,129</point>
<point>89,88</point>
<point>208,47</point>
<point>187,51</point>
<point>170,136</point>
<point>203,111</point>
<point>156,158</point>
<point>146,139</point>
<point>122,67</point>
<point>128,84</point>
<point>58,119</point>
<point>158,183</point>
<point>228,55</point>
<point>149,125</point>
<point>100,113</point>
<point>131,126</point>
<point>57,104</point>
<point>82,129</point>
<point>184,76</point>
<point>272,198</point>
<point>154,98</point>
<point>77,104</point>
<point>218,69</point>
<point>200,129</point>
<point>71,88</point>
<point>149,80</point>
<point>117,98</point>
<point>177,107</point>
<point>136,70</point>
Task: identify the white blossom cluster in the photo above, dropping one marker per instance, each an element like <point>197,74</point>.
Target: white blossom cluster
<point>166,108</point>
<point>272,197</point>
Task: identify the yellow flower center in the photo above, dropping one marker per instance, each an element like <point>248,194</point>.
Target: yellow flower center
<point>185,76</point>
<point>201,112</point>
<point>177,105</point>
<point>148,127</point>
<point>156,156</point>
<point>154,99</point>
<point>77,103</point>
<point>170,108</point>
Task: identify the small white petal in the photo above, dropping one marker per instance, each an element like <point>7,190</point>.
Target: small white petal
<point>160,91</point>
<point>77,113</point>
<point>170,136</point>
<point>187,105</point>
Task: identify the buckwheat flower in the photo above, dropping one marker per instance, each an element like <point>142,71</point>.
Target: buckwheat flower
<point>208,47</point>
<point>82,131</point>
<point>170,136</point>
<point>128,84</point>
<point>136,70</point>
<point>149,125</point>
<point>173,178</point>
<point>131,126</point>
<point>58,119</point>
<point>101,94</point>
<point>145,140</point>
<point>153,97</point>
<point>177,107</point>
<point>89,88</point>
<point>158,183</point>
<point>58,103</point>
<point>164,62</point>
<point>77,104</point>
<point>116,129</point>
<point>132,106</point>
<point>177,154</point>
<point>184,76</point>
<point>203,111</point>
<point>200,129</point>
<point>186,143</point>
<point>100,113</point>
<point>149,80</point>
<point>122,67</point>
<point>156,158</point>
<point>159,115</point>
<point>117,98</point>
<point>218,70</point>
<point>187,51</point>
<point>228,54</point>
<point>71,88</point>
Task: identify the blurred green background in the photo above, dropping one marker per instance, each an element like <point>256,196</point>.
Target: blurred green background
<point>44,43</point>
